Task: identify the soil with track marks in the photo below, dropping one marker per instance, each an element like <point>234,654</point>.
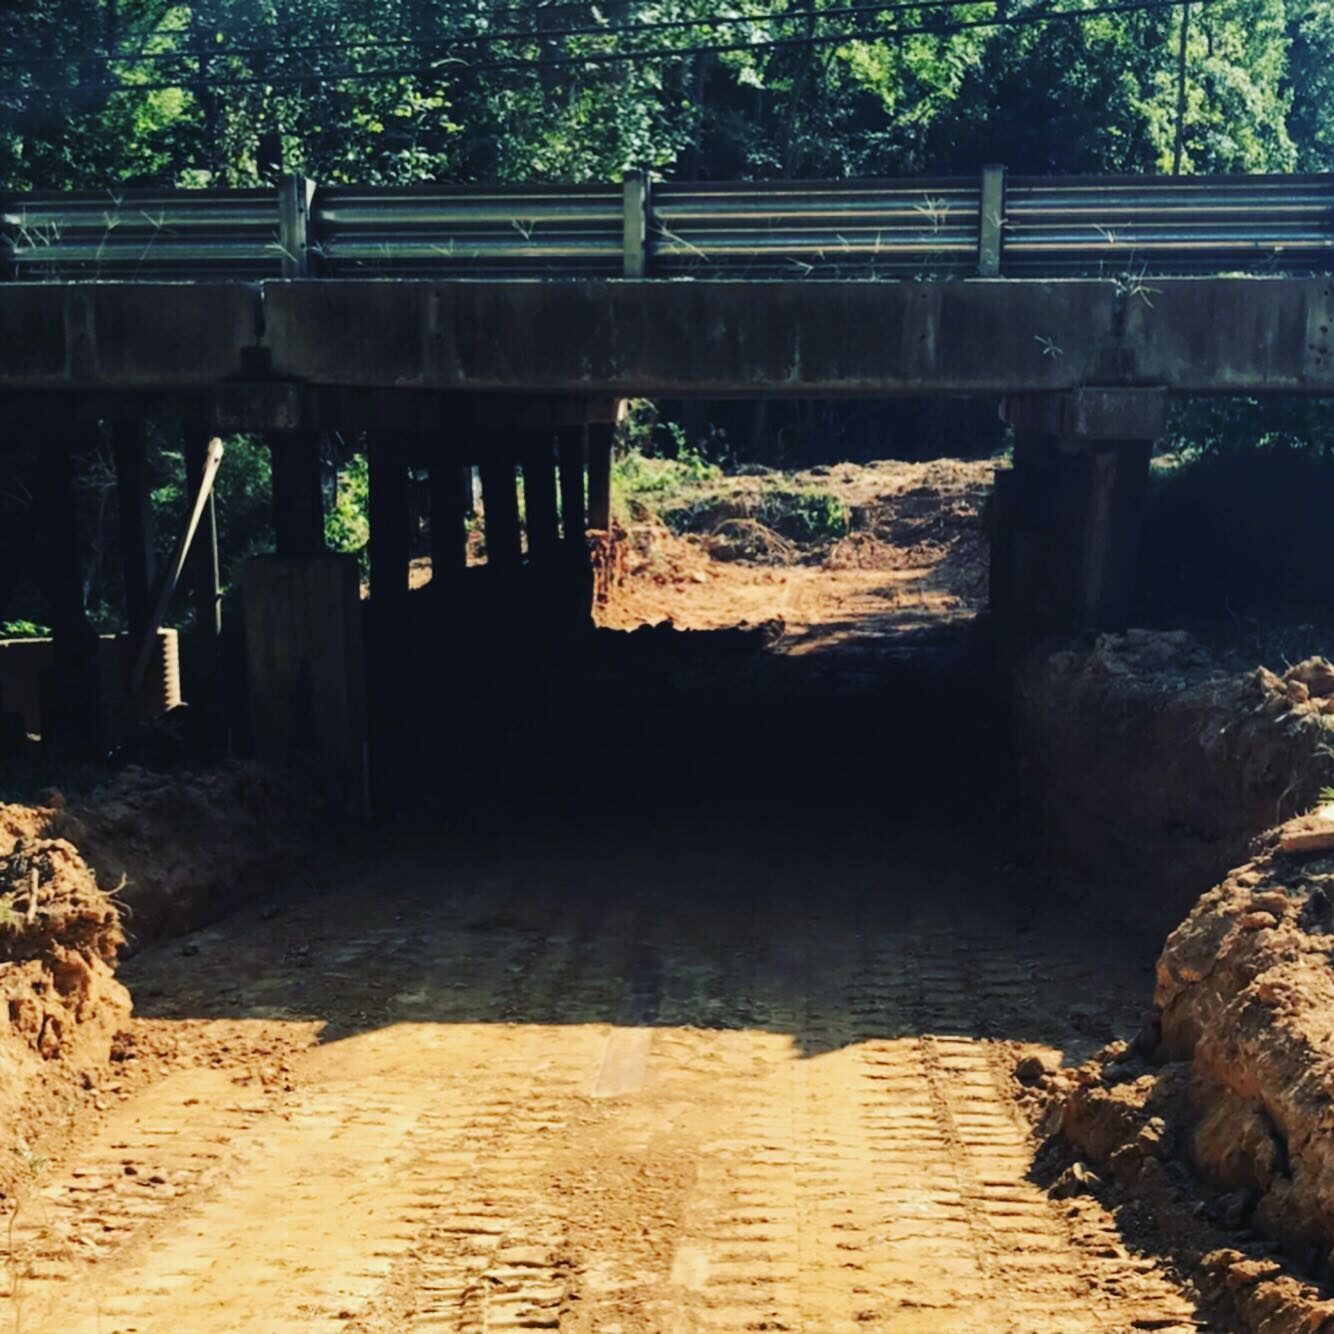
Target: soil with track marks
<point>454,1090</point>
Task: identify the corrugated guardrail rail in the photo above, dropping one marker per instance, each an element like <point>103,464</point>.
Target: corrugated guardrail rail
<point>1022,226</point>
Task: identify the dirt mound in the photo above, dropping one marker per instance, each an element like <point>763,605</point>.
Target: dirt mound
<point>182,849</point>
<point>1153,762</point>
<point>1246,994</point>
<point>59,999</point>
<point>59,936</point>
<point>1224,1107</point>
<point>749,539</point>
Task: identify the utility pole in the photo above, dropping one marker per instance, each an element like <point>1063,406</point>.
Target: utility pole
<point>1181,89</point>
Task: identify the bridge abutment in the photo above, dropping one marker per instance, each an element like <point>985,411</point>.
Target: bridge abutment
<point>1068,514</point>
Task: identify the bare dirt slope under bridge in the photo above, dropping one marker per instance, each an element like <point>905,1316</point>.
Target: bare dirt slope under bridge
<point>913,557</point>
<point>747,1073</point>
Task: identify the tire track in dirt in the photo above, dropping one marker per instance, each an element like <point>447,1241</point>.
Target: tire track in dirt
<point>368,1111</point>
<point>139,1165</point>
<point>498,1252</point>
<point>665,1116</point>
<point>963,991</point>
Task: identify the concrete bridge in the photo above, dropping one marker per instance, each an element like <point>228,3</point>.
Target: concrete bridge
<point>526,375</point>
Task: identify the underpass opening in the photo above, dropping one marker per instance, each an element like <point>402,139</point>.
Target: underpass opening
<point>685,975</point>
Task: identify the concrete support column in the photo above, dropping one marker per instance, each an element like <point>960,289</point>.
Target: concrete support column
<point>1067,518</point>
<point>298,493</point>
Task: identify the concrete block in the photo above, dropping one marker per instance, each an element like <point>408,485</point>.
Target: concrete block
<point>25,662</point>
<point>1090,413</point>
<point>305,667</point>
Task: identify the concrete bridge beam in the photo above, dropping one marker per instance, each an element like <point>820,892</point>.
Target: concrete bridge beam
<point>1068,514</point>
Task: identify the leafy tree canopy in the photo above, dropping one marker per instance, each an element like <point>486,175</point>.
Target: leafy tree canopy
<point>228,92</point>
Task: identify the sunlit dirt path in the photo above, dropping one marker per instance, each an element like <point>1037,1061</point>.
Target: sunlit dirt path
<point>738,1075</point>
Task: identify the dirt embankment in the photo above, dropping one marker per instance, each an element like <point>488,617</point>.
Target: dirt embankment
<point>1220,1118</point>
<point>142,857</point>
<point>181,849</point>
<point>59,937</point>
<point>1152,762</point>
<point>1245,994</point>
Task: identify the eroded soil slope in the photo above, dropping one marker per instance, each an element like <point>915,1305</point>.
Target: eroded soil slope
<point>1154,758</point>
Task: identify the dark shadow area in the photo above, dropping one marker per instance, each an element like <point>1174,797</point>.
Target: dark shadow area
<point>506,708</point>
<point>684,829</point>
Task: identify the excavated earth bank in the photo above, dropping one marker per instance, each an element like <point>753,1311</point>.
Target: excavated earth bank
<point>60,1004</point>
<point>1220,1118</point>
<point>1152,762</point>
<point>141,857</point>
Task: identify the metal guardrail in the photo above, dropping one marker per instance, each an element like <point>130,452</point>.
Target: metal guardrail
<point>1124,227</point>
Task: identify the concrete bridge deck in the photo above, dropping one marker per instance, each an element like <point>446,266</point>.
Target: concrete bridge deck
<point>609,338</point>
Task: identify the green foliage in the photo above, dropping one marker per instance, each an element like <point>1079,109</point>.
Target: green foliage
<point>799,514</point>
<point>805,516</point>
<point>23,630</point>
<point>242,495</point>
<point>1244,425</point>
<point>346,524</point>
<point>228,92</point>
<point>640,476</point>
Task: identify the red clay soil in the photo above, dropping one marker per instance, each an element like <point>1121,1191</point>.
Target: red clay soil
<point>1152,761</point>
<point>60,1004</point>
<point>144,855</point>
<point>1222,1119</point>
<point>914,556</point>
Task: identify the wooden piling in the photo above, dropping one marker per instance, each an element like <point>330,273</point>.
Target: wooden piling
<point>129,450</point>
<point>387,455</point>
<point>500,513</point>
<point>539,492</point>
<point>450,487</point>
<point>298,493</point>
<point>570,451</point>
<point>600,438</point>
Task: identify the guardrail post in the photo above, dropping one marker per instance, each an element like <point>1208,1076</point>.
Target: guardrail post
<point>636,187</point>
<point>9,242</point>
<point>991,221</point>
<point>296,194</point>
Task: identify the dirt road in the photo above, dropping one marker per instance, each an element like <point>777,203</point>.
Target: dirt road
<point>716,1077</point>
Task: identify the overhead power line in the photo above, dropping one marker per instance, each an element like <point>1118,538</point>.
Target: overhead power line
<point>493,38</point>
<point>283,77</point>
